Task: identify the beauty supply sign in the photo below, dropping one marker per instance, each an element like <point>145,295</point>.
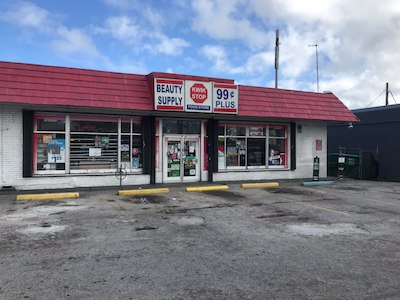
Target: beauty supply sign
<point>195,96</point>
<point>169,94</point>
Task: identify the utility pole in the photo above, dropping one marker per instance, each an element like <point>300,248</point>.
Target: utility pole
<point>276,58</point>
<point>387,93</point>
<point>316,63</point>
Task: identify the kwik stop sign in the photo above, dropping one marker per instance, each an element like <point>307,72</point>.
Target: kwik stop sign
<point>198,96</point>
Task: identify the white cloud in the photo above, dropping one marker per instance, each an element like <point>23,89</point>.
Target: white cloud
<point>27,15</point>
<point>126,30</point>
<point>226,21</point>
<point>168,46</point>
<point>358,43</point>
<point>218,56</point>
<point>74,41</point>
<point>123,28</point>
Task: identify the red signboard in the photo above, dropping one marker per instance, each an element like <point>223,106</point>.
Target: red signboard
<point>198,93</point>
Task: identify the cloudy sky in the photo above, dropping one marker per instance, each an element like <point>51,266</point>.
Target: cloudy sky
<point>358,40</point>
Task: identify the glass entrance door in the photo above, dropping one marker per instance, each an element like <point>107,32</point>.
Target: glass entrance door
<point>181,159</point>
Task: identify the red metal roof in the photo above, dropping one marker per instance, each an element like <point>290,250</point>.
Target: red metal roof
<point>60,86</point>
<point>35,84</point>
<point>288,104</point>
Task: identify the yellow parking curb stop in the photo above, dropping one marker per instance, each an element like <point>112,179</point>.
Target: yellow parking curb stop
<point>260,185</point>
<point>142,192</point>
<point>207,188</point>
<point>47,196</point>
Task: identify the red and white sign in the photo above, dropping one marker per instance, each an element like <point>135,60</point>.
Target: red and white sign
<point>195,96</point>
<point>198,96</point>
<point>169,94</point>
<point>225,98</point>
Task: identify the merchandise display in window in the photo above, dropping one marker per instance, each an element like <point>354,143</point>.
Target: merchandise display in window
<point>86,144</point>
<point>50,150</point>
<point>252,146</point>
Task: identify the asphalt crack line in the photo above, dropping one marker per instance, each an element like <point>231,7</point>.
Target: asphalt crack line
<point>316,206</point>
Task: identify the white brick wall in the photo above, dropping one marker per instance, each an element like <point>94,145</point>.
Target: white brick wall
<point>10,144</point>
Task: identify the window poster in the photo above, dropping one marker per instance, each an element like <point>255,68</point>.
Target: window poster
<point>94,152</point>
<point>56,151</point>
<point>124,147</point>
<point>105,142</point>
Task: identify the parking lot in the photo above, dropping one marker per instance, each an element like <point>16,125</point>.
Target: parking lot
<point>338,241</point>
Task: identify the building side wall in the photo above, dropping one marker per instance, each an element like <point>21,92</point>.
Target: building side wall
<point>378,138</point>
<point>11,152</point>
<point>305,153</point>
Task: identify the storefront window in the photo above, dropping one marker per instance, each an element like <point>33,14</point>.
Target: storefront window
<point>252,146</point>
<point>181,127</point>
<point>221,130</point>
<point>235,130</point>
<point>277,153</point>
<point>79,144</point>
<point>50,124</point>
<point>277,146</point>
<point>255,152</point>
<point>257,131</point>
<point>50,151</point>
<point>131,159</point>
<point>93,151</point>
<point>131,145</point>
<point>235,152</point>
<point>126,126</point>
<point>221,153</point>
<point>94,126</point>
<point>49,144</point>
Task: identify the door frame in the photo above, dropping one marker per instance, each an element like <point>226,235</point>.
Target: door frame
<point>181,138</point>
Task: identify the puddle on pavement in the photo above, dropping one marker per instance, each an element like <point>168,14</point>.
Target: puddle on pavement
<point>351,188</point>
<point>320,230</point>
<point>188,220</point>
<point>145,228</point>
<point>225,194</point>
<point>292,191</point>
<point>276,214</point>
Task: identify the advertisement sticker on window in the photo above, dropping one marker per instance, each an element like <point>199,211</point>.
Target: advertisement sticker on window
<point>56,151</point>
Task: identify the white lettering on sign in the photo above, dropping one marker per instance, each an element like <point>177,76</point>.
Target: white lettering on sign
<point>198,96</point>
<point>169,94</point>
<point>225,98</point>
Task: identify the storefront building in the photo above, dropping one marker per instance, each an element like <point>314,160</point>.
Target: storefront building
<point>65,127</point>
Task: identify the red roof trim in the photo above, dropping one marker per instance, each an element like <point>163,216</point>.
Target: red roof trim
<point>169,81</point>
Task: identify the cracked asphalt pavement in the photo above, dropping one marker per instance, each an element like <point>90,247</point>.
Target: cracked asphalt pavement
<point>338,241</point>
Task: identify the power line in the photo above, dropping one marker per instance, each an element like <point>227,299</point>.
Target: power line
<point>392,97</point>
<point>376,98</point>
